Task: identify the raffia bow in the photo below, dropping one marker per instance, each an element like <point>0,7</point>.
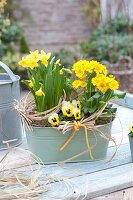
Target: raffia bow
<point>87,124</point>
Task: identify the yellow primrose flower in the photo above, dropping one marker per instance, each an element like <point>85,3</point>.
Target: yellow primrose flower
<point>76,84</point>
<point>101,82</point>
<point>79,68</point>
<point>102,86</point>
<point>84,75</point>
<point>80,73</point>
<point>113,85</point>
<point>83,83</point>
<point>88,67</point>
<point>57,63</point>
<point>30,84</point>
<point>76,104</point>
<point>76,113</point>
<point>67,110</point>
<point>54,119</point>
<point>40,92</point>
<point>98,67</point>
<point>61,72</point>
<point>0,41</point>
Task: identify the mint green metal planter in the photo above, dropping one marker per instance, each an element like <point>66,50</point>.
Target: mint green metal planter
<point>45,142</point>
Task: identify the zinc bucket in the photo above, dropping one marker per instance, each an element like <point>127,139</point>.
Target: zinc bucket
<point>45,142</point>
<point>10,123</point>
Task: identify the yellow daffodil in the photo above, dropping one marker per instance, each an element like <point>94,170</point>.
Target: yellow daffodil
<point>76,113</point>
<point>40,92</point>
<point>44,57</point>
<point>32,63</point>
<point>67,110</point>
<point>44,61</point>
<point>34,55</point>
<point>27,62</point>
<point>54,119</point>
<point>76,104</point>
<point>43,54</point>
<point>30,84</point>
<point>23,62</point>
<point>57,63</point>
<point>67,70</point>
<point>61,72</point>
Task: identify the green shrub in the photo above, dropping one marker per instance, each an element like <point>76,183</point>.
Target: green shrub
<point>12,35</point>
<point>23,46</point>
<point>97,46</point>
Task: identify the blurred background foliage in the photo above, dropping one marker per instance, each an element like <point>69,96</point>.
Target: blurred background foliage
<point>92,11</point>
<point>13,42</point>
<point>114,34</point>
<point>16,12</point>
<point>67,57</point>
<point>13,38</point>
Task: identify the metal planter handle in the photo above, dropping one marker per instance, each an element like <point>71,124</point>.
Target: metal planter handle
<point>9,72</point>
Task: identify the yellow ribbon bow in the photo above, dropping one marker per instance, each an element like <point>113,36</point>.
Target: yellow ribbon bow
<point>77,126</point>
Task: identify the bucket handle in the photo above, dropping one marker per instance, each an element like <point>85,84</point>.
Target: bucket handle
<point>9,72</point>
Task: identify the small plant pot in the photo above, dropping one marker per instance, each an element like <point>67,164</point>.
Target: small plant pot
<point>131,145</point>
<point>45,142</point>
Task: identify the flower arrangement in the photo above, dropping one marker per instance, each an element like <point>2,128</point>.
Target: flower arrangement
<point>48,83</point>
<point>65,103</point>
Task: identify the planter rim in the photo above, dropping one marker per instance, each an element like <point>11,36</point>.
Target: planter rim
<point>39,127</point>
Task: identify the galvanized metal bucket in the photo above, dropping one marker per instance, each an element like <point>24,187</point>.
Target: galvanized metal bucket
<point>45,142</point>
<point>10,123</point>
